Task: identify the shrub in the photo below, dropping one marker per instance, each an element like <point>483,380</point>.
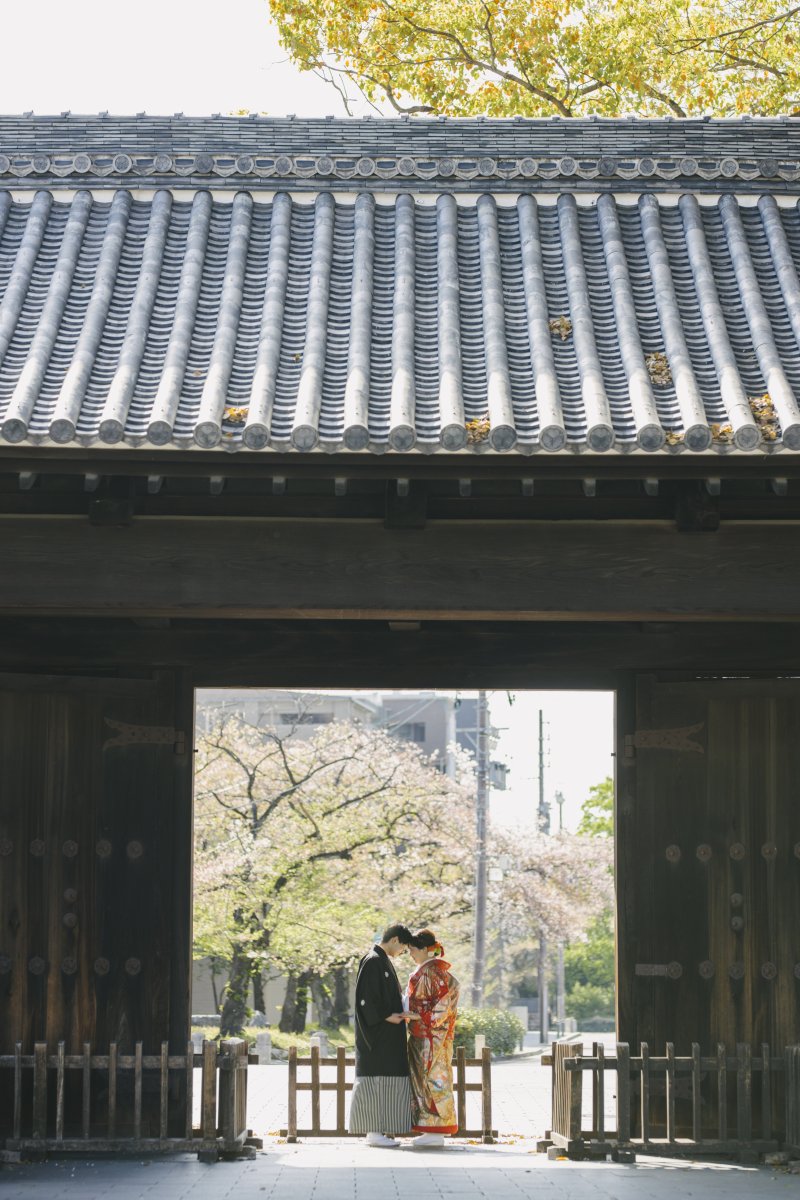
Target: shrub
<point>503,1031</point>
<point>585,1000</point>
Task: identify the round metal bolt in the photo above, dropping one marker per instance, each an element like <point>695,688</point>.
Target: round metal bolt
<point>769,851</point>
<point>132,966</point>
<point>6,847</point>
<point>36,965</point>
<point>706,969</point>
<point>103,848</point>
<point>736,970</point>
<point>737,852</point>
<point>768,970</point>
<point>37,848</point>
<point>704,852</point>
<point>673,854</point>
<point>70,920</point>
<point>737,899</point>
<point>69,965</point>
<point>69,849</point>
<point>737,924</point>
<point>674,970</point>
<point>70,895</point>
<point>101,966</point>
<point>134,850</point>
<point>5,964</point>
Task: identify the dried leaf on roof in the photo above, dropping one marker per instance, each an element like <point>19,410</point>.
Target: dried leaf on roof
<point>673,437</point>
<point>658,368</point>
<point>560,325</point>
<point>235,414</point>
<point>722,433</point>
<point>765,415</point>
<point>478,430</point>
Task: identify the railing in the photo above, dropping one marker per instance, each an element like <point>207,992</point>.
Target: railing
<point>107,1113</point>
<point>341,1085</point>
<point>719,1108</point>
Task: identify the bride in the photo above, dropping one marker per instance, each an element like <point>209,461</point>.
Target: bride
<point>432,1000</point>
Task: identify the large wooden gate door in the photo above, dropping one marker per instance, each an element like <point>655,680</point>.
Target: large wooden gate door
<point>708,863</point>
<point>95,861</point>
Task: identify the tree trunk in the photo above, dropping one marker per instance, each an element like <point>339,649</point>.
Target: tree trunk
<point>301,1010</point>
<point>289,1009</point>
<point>341,997</point>
<point>234,1007</point>
<point>259,1003</point>
<point>321,993</point>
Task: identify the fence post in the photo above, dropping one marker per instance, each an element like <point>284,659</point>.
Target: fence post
<point>623,1093</point>
<point>208,1102</point>
<point>40,1090</point>
<point>315,1089</point>
<point>291,1130</point>
<point>341,1079</point>
<point>233,1092</point>
<point>486,1095</point>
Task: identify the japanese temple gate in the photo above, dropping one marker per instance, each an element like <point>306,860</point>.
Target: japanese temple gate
<point>385,404</point>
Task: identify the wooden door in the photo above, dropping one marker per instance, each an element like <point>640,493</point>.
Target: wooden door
<point>95,861</point>
<point>708,863</point>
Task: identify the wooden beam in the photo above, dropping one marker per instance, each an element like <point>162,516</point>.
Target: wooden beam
<point>357,569</point>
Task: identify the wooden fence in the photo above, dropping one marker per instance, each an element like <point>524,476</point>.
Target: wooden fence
<point>742,1104</point>
<point>340,1085</point>
<point>98,1117</point>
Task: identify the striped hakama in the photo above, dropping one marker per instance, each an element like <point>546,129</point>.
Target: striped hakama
<point>381,1104</point>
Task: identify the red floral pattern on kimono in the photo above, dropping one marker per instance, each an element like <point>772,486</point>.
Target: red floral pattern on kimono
<point>433,995</point>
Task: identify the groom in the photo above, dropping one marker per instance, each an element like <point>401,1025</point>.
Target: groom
<point>381,1103</point>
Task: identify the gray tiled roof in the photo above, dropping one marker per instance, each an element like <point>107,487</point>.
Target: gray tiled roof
<point>371,154</point>
<point>391,325</point>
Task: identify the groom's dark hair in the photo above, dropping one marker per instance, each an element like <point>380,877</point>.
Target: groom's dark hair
<point>401,932</point>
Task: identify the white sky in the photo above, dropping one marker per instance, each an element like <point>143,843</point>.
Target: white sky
<point>155,56</point>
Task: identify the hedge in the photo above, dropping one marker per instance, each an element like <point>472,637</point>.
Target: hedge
<point>503,1031</point>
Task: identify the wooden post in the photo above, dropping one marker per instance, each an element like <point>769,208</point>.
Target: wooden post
<point>208,1119</point>
<point>744,1093</point>
<point>40,1090</point>
<point>766,1094</point>
<point>670,1092</point>
<point>341,1080</point>
<point>644,1050</point>
<point>60,1094</point>
<point>600,1124</point>
<point>137,1091</point>
<point>697,1115</point>
<point>315,1089</point>
<point>461,1088</point>
<point>791,1068</point>
<point>162,1132</point>
<point>722,1093</point>
<point>86,1091</point>
<point>112,1089</point>
<point>623,1092</point>
<point>18,1089</point>
<point>486,1095</point>
<point>291,1130</point>
<point>189,1089</point>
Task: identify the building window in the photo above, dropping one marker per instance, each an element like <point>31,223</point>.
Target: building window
<point>306,718</point>
<point>412,731</point>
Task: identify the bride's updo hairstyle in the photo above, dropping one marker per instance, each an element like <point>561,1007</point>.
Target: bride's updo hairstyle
<point>425,939</point>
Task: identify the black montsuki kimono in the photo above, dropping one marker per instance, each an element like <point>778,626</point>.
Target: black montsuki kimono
<point>380,1045</point>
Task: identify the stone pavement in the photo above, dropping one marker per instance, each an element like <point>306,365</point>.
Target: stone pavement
<point>349,1170</point>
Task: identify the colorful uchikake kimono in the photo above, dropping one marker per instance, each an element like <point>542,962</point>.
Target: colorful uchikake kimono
<point>433,994</point>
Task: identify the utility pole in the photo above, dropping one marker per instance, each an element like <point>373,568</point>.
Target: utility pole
<point>481,819</point>
<point>544,827</point>
<point>560,984</point>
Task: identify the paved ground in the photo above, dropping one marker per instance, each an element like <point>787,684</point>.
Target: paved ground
<point>348,1170</point>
